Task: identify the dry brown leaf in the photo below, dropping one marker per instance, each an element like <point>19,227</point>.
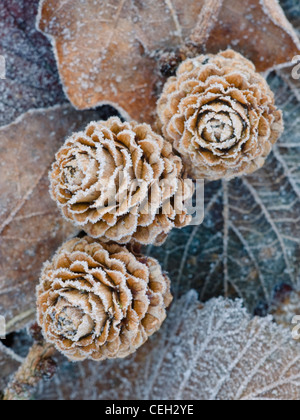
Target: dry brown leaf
<point>106,50</point>
<point>31,227</point>
<point>256,28</point>
<point>210,352</point>
<point>112,51</point>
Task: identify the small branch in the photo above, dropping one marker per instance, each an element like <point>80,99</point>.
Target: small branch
<point>38,366</point>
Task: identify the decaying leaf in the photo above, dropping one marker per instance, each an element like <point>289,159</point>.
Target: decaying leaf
<point>249,242</point>
<point>31,74</point>
<point>110,51</point>
<point>211,352</point>
<point>31,227</point>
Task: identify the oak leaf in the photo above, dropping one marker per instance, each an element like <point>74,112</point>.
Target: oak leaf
<point>113,51</point>
<point>211,352</point>
<point>31,227</point>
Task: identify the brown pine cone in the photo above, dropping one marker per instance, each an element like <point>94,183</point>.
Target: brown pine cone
<point>220,116</point>
<point>115,181</point>
<point>98,301</point>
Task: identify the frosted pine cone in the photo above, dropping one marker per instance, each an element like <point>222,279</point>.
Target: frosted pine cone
<point>220,116</point>
<point>120,181</point>
<point>99,301</point>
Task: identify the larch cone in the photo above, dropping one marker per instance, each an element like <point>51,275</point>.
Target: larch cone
<point>120,181</point>
<point>220,116</point>
<point>100,301</point>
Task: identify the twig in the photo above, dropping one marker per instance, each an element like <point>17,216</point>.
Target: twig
<point>37,366</point>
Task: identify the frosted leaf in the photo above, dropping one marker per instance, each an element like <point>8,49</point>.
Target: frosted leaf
<point>110,51</point>
<point>107,50</point>
<point>249,242</point>
<point>211,352</point>
<point>31,74</point>
<point>31,227</point>
<point>256,28</point>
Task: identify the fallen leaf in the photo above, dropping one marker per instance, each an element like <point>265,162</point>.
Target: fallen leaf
<point>31,226</point>
<point>107,50</point>
<point>256,28</point>
<point>249,242</point>
<point>31,80</point>
<point>211,352</point>
<point>112,51</point>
